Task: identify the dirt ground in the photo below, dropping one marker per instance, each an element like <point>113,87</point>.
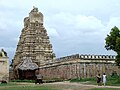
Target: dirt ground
<point>77,86</point>
<point>66,86</point>
<point>73,86</point>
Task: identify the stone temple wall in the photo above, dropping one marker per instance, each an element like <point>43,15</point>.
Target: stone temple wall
<point>79,66</point>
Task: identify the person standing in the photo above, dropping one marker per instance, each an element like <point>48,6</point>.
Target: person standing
<point>39,79</point>
<point>104,78</point>
<point>99,80</point>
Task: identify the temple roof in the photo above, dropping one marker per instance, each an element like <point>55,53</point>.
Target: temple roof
<point>27,64</point>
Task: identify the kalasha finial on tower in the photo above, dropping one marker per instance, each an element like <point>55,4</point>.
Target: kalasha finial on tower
<point>35,9</point>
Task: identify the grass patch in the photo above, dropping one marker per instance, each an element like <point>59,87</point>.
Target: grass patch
<point>111,80</point>
<point>44,81</point>
<point>8,84</point>
<point>82,79</point>
<point>17,86</point>
<point>28,85</point>
<point>85,80</point>
<point>29,81</point>
<point>105,89</point>
<point>50,80</point>
<point>28,88</point>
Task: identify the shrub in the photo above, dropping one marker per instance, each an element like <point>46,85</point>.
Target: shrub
<point>82,79</point>
<point>30,81</point>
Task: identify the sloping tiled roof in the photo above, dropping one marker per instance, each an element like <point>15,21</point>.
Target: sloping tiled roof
<point>27,64</point>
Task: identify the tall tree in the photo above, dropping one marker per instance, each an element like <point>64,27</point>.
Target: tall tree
<point>113,43</point>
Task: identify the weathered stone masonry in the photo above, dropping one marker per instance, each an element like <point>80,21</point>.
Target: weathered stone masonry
<point>4,66</point>
<point>80,66</point>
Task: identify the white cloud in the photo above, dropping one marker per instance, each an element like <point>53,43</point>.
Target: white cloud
<point>114,21</point>
<point>52,32</point>
<point>76,26</point>
<point>2,26</point>
<point>88,22</point>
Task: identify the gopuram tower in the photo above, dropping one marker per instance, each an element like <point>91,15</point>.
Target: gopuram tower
<point>34,48</point>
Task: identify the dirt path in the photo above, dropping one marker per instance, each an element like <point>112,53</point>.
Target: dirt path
<point>79,86</point>
<point>71,86</point>
<point>65,86</point>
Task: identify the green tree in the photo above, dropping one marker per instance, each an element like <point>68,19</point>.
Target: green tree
<point>113,43</point>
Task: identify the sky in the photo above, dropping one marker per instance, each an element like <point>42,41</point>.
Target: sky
<point>74,26</point>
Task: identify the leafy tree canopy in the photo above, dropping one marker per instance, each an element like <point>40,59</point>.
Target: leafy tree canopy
<point>113,42</point>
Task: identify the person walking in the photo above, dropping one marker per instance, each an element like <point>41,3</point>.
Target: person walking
<point>104,78</point>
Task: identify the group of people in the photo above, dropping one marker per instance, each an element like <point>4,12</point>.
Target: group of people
<point>101,79</point>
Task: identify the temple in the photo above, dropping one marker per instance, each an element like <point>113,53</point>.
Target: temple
<point>34,54</point>
<point>34,44</point>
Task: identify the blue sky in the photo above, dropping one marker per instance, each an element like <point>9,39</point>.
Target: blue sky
<point>74,26</point>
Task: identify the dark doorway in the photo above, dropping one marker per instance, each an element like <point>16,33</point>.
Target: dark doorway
<point>27,74</point>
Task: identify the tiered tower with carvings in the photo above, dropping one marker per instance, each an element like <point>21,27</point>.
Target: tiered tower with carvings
<point>34,41</point>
